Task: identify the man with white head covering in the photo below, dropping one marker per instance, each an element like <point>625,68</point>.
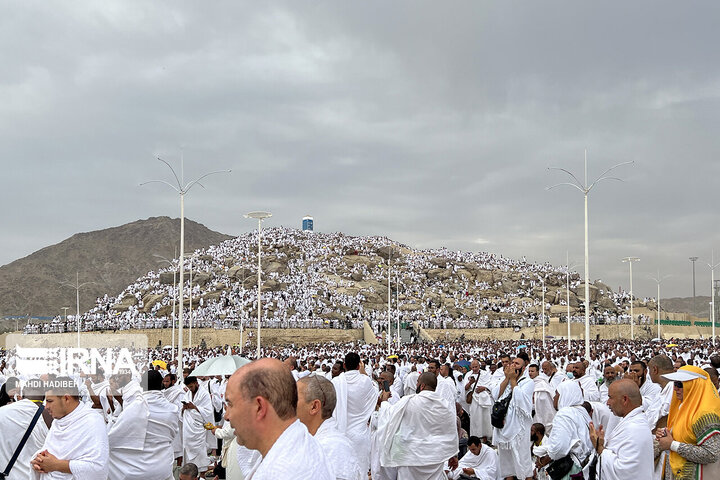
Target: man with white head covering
<point>410,382</point>
<point>570,430</point>
<point>356,400</point>
<point>406,428</point>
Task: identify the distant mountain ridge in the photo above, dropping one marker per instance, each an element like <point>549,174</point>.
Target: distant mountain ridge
<point>685,305</point>
<point>111,258</point>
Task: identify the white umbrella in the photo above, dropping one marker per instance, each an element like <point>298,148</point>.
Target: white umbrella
<point>224,365</point>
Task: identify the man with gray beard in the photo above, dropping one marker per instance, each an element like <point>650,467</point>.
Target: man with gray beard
<point>609,376</point>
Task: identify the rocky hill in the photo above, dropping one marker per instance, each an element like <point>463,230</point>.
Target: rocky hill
<point>111,258</point>
<point>318,279</point>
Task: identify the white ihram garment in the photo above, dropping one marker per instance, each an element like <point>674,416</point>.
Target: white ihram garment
<point>246,459</point>
<point>543,399</point>
<point>654,413</point>
<point>484,464</point>
<point>174,395</point>
<point>408,427</point>
<point>80,437</point>
<point>356,399</point>
<point>628,452</point>
<point>295,454</point>
<point>339,452</point>
<point>513,440</point>
<point>570,433</point>
<point>194,436</point>
<point>481,406</point>
<point>411,383</point>
<point>591,393</point>
<point>447,390</point>
<point>126,437</point>
<point>15,419</point>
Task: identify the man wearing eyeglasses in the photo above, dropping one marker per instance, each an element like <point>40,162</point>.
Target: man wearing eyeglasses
<point>316,403</point>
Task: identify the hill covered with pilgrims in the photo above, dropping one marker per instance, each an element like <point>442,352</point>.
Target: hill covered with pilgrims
<point>335,280</point>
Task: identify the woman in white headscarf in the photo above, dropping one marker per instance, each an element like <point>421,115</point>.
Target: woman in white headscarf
<point>570,434</point>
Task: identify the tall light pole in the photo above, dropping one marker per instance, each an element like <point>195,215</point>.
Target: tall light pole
<point>77,286</point>
<point>567,292</point>
<point>388,337</point>
<point>182,188</point>
<point>658,280</point>
<point>585,189</point>
<point>172,316</point>
<point>693,260</point>
<point>260,216</point>
<point>712,266</point>
<point>630,260</point>
<point>397,307</point>
<point>542,279</point>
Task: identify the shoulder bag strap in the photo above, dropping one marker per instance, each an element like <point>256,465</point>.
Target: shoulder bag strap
<point>24,440</point>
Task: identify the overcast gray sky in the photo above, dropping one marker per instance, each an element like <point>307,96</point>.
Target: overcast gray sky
<point>433,123</point>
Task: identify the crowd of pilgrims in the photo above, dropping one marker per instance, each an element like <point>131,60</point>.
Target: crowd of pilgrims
<point>315,291</point>
<point>472,409</point>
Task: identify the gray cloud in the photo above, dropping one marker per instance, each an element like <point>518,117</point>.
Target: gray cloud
<point>428,123</point>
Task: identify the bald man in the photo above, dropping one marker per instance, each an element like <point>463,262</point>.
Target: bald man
<point>262,402</point>
<point>628,450</point>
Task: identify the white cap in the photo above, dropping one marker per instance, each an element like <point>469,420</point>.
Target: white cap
<point>682,376</point>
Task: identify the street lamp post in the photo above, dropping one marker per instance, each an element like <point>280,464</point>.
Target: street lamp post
<point>77,286</point>
<point>585,188</point>
<point>397,306</point>
<point>693,260</point>
<point>712,266</point>
<point>388,336</point>
<point>542,279</point>
<point>172,315</point>
<point>632,317</point>
<point>260,216</point>
<point>181,188</point>
<point>567,292</point>
<point>658,280</point>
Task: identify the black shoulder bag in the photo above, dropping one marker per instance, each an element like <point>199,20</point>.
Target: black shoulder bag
<point>22,443</point>
<point>500,409</point>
